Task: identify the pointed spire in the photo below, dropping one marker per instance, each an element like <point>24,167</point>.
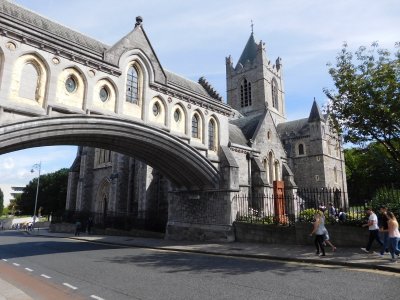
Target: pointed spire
<point>315,114</point>
<point>249,52</point>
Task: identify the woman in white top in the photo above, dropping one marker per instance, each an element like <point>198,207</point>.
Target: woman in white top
<point>319,231</point>
<point>394,235</point>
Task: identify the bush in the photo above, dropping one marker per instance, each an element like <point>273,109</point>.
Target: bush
<point>307,215</point>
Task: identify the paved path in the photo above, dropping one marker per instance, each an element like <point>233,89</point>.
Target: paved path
<point>349,257</point>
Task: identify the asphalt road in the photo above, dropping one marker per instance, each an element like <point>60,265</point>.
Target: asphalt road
<point>97,271</point>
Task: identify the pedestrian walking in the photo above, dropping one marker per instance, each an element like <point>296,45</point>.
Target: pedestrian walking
<point>373,230</point>
<point>319,231</point>
<point>394,235</point>
<point>89,225</point>
<point>383,228</point>
<point>78,227</point>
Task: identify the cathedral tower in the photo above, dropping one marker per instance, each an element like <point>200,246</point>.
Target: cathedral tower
<point>255,84</point>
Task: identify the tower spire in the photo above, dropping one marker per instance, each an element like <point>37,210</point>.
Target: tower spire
<point>252,27</point>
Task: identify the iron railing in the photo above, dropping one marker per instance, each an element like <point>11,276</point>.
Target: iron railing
<point>299,206</point>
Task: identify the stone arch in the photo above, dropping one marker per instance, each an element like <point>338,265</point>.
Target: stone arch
<point>105,84</point>
<point>34,88</point>
<point>71,96</point>
<point>197,135</point>
<point>138,56</point>
<point>179,125</point>
<point>173,157</point>
<point>158,110</point>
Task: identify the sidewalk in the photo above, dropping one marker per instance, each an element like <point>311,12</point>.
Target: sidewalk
<point>349,257</point>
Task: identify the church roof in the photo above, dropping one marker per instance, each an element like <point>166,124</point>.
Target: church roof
<point>185,83</point>
<point>249,52</point>
<point>296,128</point>
<point>315,114</point>
<point>243,129</point>
<point>48,27</point>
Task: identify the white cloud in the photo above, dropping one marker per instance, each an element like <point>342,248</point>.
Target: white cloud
<point>8,163</point>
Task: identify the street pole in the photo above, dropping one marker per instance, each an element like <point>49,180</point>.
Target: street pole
<point>38,167</point>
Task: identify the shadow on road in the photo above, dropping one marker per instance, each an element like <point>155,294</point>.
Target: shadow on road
<point>14,244</point>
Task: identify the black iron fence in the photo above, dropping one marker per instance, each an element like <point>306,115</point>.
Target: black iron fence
<point>298,206</point>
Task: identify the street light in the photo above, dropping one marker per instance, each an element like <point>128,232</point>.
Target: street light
<point>37,167</point>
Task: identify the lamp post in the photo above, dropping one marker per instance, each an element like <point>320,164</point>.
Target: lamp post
<point>37,167</point>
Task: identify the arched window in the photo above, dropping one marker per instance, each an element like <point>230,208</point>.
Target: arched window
<point>245,93</point>
<point>301,149</point>
<point>271,167</point>
<point>266,168</point>
<point>195,126</point>
<point>132,86</point>
<point>102,157</point>
<point>30,82</point>
<point>211,135</point>
<point>277,172</point>
<point>274,88</point>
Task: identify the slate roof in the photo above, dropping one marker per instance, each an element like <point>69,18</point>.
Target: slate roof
<point>249,51</point>
<point>315,114</point>
<point>297,127</point>
<point>31,19</point>
<point>185,83</point>
<point>241,130</point>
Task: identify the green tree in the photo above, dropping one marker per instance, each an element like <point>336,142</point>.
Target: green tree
<point>368,170</point>
<point>1,202</point>
<point>51,197</point>
<point>365,106</point>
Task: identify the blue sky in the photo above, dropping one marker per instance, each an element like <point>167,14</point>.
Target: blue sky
<point>192,38</point>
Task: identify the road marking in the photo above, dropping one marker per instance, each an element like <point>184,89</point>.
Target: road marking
<point>4,259</point>
<point>96,297</point>
<point>15,264</point>
<point>30,270</point>
<point>70,286</point>
<point>45,276</point>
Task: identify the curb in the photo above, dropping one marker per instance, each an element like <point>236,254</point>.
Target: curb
<point>254,256</point>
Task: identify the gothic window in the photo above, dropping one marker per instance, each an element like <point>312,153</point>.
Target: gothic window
<point>132,86</point>
<point>30,82</point>
<point>103,157</point>
<point>277,174</point>
<point>301,149</point>
<point>266,168</point>
<point>195,126</point>
<point>274,90</point>
<point>271,167</point>
<point>211,135</point>
<point>245,93</point>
